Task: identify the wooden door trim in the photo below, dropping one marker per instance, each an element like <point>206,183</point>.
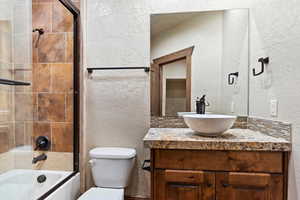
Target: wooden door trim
<point>178,55</point>
<point>156,78</point>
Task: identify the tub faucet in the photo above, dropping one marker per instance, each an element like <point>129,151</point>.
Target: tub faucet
<point>39,158</point>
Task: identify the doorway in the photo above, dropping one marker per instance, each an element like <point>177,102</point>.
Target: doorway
<point>171,83</point>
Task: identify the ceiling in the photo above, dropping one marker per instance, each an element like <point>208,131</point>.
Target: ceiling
<point>162,22</point>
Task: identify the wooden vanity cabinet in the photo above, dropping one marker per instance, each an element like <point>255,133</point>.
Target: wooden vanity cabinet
<point>249,186</point>
<point>218,175</point>
<point>184,184</point>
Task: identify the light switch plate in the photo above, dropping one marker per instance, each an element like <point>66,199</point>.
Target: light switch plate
<point>274,107</point>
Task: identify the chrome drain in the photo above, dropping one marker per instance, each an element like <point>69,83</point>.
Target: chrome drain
<point>41,178</point>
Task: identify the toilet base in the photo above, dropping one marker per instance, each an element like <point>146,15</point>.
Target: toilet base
<point>97,193</point>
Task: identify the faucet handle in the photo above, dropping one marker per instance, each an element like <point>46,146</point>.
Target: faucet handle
<point>207,103</point>
<point>42,143</point>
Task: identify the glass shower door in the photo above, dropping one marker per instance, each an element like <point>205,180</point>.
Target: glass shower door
<point>36,98</point>
<point>15,105</point>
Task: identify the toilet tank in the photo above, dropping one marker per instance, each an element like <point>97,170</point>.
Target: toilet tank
<point>111,167</point>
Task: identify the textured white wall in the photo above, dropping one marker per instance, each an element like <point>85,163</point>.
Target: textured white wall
<point>118,33</point>
<point>205,32</point>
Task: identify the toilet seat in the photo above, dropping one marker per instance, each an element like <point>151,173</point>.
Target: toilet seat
<point>103,194</point>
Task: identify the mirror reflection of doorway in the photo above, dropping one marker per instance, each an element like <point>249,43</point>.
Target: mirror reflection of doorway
<point>171,83</point>
<point>174,88</point>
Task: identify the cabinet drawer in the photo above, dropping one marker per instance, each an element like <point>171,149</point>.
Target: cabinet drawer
<point>186,176</point>
<point>271,162</point>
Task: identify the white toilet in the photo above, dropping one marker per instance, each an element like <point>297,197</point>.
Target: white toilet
<point>111,168</point>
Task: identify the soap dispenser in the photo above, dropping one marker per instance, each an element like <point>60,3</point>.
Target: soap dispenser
<point>200,105</point>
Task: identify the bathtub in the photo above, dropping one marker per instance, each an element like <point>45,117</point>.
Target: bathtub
<point>22,184</point>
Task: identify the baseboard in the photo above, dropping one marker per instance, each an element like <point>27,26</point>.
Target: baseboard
<point>136,198</point>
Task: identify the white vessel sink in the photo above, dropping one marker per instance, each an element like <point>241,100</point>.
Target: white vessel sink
<point>209,124</point>
<point>181,114</point>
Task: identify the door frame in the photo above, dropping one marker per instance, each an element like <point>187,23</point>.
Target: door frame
<point>156,78</point>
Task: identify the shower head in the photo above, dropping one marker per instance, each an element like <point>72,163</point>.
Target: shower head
<point>40,30</point>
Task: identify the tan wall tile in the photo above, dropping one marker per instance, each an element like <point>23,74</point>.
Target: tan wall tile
<point>28,77</point>
<point>69,48</point>
<point>69,107</point>
<point>23,107</point>
<point>56,161</point>
<point>62,137</point>
<point>52,75</point>
<point>41,77</point>
<point>51,107</point>
<point>5,47</point>
<point>6,73</point>
<point>6,106</point>
<point>62,18</point>
<point>62,77</point>
<point>20,76</point>
<point>52,48</point>
<point>34,48</point>
<point>19,133</point>
<point>4,138</point>
<point>42,16</point>
<point>28,133</point>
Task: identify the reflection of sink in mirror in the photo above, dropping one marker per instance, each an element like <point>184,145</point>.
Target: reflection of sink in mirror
<point>180,114</point>
<point>193,54</point>
<point>209,124</point>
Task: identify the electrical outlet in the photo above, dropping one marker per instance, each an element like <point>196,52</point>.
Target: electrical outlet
<point>274,107</point>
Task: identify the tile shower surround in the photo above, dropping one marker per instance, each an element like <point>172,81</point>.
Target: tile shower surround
<point>48,103</point>
<point>6,92</point>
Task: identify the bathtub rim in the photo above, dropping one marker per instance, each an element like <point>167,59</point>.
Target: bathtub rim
<point>58,185</point>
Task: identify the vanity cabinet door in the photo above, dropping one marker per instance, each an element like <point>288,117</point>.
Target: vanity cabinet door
<point>249,186</point>
<point>184,185</point>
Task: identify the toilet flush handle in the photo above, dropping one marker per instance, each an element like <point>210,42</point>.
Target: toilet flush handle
<point>92,162</point>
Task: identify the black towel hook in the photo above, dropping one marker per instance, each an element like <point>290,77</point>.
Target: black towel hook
<point>231,79</point>
<point>263,61</point>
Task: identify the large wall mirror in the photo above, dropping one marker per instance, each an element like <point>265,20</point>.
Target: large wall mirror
<point>200,53</point>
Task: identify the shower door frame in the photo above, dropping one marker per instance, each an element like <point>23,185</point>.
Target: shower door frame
<point>76,94</point>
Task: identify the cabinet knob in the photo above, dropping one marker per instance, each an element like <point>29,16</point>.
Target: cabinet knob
<point>208,184</point>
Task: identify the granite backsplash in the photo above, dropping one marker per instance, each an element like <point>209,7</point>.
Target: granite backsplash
<point>270,127</point>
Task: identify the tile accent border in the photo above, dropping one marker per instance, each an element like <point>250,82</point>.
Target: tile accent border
<point>241,122</point>
<point>167,122</point>
<point>178,122</point>
<point>275,128</point>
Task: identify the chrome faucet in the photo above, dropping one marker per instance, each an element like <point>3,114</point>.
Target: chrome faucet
<point>39,158</point>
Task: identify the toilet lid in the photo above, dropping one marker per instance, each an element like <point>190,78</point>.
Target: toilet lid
<point>112,153</point>
<point>103,194</point>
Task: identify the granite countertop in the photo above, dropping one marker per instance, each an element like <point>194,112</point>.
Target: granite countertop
<point>233,139</point>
